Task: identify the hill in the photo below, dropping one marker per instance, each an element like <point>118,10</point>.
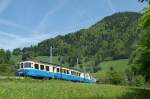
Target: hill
<point>118,65</point>
<point>112,38</point>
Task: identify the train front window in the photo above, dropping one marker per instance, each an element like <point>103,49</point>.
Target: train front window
<point>27,65</point>
<point>21,65</point>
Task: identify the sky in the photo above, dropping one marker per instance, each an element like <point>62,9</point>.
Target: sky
<point>26,22</point>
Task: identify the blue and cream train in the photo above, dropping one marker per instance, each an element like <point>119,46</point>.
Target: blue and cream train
<point>47,70</point>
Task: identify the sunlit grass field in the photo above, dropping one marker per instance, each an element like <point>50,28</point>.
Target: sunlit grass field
<point>118,65</point>
<point>58,89</point>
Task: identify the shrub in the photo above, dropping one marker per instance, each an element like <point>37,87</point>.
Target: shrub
<point>139,81</point>
<point>116,77</point>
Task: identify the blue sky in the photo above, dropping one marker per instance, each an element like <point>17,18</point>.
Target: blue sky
<point>27,22</point>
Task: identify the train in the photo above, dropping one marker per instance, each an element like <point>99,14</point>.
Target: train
<point>52,71</point>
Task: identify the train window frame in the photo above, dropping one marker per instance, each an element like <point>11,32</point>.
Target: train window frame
<point>42,67</point>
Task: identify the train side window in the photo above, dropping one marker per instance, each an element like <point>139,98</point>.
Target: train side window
<point>36,66</point>
<point>79,74</point>
<point>61,70</point>
<point>57,69</point>
<point>76,73</point>
<point>67,71</point>
<point>47,68</point>
<point>41,67</point>
<point>64,71</point>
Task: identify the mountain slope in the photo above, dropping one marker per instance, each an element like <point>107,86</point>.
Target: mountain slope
<point>114,37</point>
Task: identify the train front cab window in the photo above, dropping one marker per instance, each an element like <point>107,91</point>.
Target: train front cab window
<point>27,65</point>
<point>21,65</point>
<point>36,66</point>
<point>41,67</point>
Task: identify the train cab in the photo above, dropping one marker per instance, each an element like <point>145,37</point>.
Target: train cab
<point>26,64</point>
<point>35,69</point>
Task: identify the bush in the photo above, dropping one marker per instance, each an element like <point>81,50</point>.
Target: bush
<point>139,81</point>
<point>116,77</point>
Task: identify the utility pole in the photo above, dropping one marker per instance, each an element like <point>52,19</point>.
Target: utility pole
<point>51,54</point>
<point>77,62</point>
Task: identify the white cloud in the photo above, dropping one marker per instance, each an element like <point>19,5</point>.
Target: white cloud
<point>12,24</point>
<point>11,41</point>
<point>43,22</point>
<point>111,6</point>
<point>4,4</point>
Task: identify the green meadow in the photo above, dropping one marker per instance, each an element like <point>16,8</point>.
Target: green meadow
<point>58,89</point>
<point>118,65</point>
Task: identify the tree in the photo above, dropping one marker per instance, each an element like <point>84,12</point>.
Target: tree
<point>139,81</point>
<point>8,55</point>
<point>17,51</point>
<point>141,55</point>
<point>144,1</point>
<point>116,77</point>
<point>27,55</point>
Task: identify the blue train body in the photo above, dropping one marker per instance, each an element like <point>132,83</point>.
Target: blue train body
<point>40,70</point>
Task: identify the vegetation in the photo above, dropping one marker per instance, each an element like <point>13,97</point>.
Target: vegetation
<point>118,65</point>
<point>6,64</point>
<point>139,80</point>
<point>141,56</point>
<point>54,89</point>
<point>112,38</point>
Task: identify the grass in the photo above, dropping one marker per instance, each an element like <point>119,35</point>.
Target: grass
<point>118,65</point>
<point>56,89</point>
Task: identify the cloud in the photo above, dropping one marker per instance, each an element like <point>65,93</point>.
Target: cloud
<point>4,4</point>
<point>12,24</point>
<point>43,23</point>
<point>11,41</point>
<point>111,6</point>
